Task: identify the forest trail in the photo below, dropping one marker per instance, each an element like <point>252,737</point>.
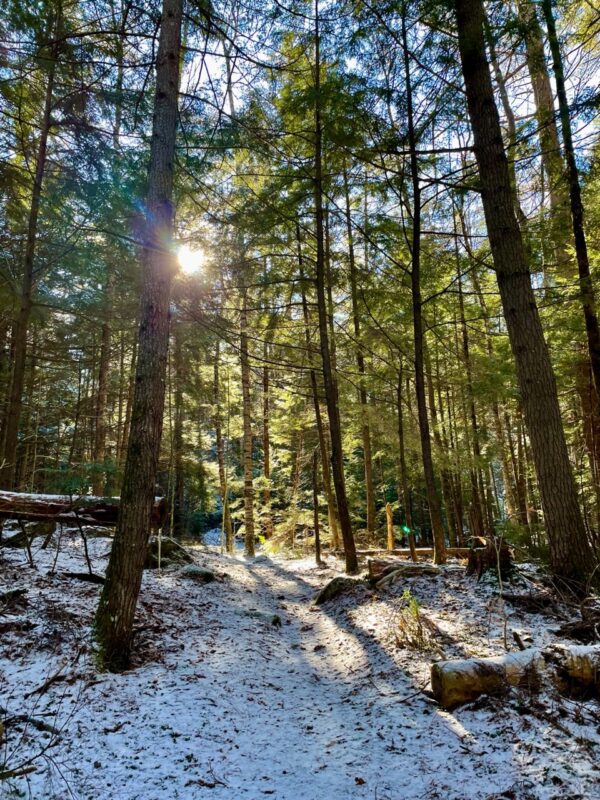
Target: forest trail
<point>224,704</point>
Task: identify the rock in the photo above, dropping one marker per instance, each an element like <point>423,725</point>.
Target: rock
<point>335,587</point>
<point>198,574</point>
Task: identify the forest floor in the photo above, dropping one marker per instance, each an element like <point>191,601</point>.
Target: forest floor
<point>224,704</point>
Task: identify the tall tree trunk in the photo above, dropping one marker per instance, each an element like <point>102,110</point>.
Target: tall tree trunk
<point>116,610</point>
<point>323,446</point>
<point>315,488</point>
<point>8,469</point>
<point>330,382</point>
<point>439,546</point>
<point>478,498</point>
<point>267,515</point>
<point>129,403</point>
<point>99,452</point>
<point>570,551</point>
<point>404,497</point>
<point>586,286</point>
<point>550,151</point>
<point>360,362</point>
<point>178,477</point>
<point>247,430</point>
<point>218,422</point>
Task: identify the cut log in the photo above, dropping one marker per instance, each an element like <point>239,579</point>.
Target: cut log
<point>84,510</point>
<point>572,669</point>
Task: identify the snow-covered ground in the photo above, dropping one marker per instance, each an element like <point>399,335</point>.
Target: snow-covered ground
<point>224,704</point>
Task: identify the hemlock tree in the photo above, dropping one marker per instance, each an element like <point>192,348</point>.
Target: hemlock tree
<point>570,551</point>
<point>114,618</point>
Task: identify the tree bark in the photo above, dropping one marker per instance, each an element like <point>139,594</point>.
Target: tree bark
<point>218,422</point>
<point>115,615</point>
<point>550,151</point>
<point>571,555</point>
<point>404,498</point>
<point>360,362</point>
<point>586,286</point>
<point>323,446</point>
<point>439,545</point>
<point>331,393</point>
<point>247,431</point>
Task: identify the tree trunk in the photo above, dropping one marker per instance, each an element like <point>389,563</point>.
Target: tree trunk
<point>247,431</point>
<point>316,525</point>
<point>267,515</point>
<point>218,422</point>
<point>360,362</point>
<point>548,134</point>
<point>178,477</point>
<point>571,555</point>
<point>325,461</point>
<point>331,393</point>
<point>586,286</point>
<point>405,498</point>
<point>99,454</point>
<point>439,545</point>
<point>116,610</point>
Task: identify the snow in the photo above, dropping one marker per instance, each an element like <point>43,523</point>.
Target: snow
<point>223,704</point>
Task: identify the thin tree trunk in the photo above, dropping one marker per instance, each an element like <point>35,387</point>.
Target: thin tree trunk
<point>178,473</point>
<point>99,454</point>
<point>325,461</point>
<point>586,286</point>
<point>247,431</point>
<point>550,151</point>
<point>331,393</point>
<point>570,551</point>
<point>267,515</point>
<point>116,610</point>
<point>439,546</point>
<point>360,362</point>
<point>405,498</point>
<point>316,525</point>
<point>218,422</point>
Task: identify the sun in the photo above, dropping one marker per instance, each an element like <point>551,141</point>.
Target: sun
<point>190,260</point>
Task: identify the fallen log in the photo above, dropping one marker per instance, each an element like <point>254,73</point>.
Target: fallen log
<point>422,552</point>
<point>572,669</point>
<point>73,510</point>
<point>382,573</point>
<point>89,577</point>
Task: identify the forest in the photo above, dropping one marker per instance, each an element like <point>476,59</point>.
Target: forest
<point>299,399</point>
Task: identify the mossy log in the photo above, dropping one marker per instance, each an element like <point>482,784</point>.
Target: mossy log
<point>572,669</point>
